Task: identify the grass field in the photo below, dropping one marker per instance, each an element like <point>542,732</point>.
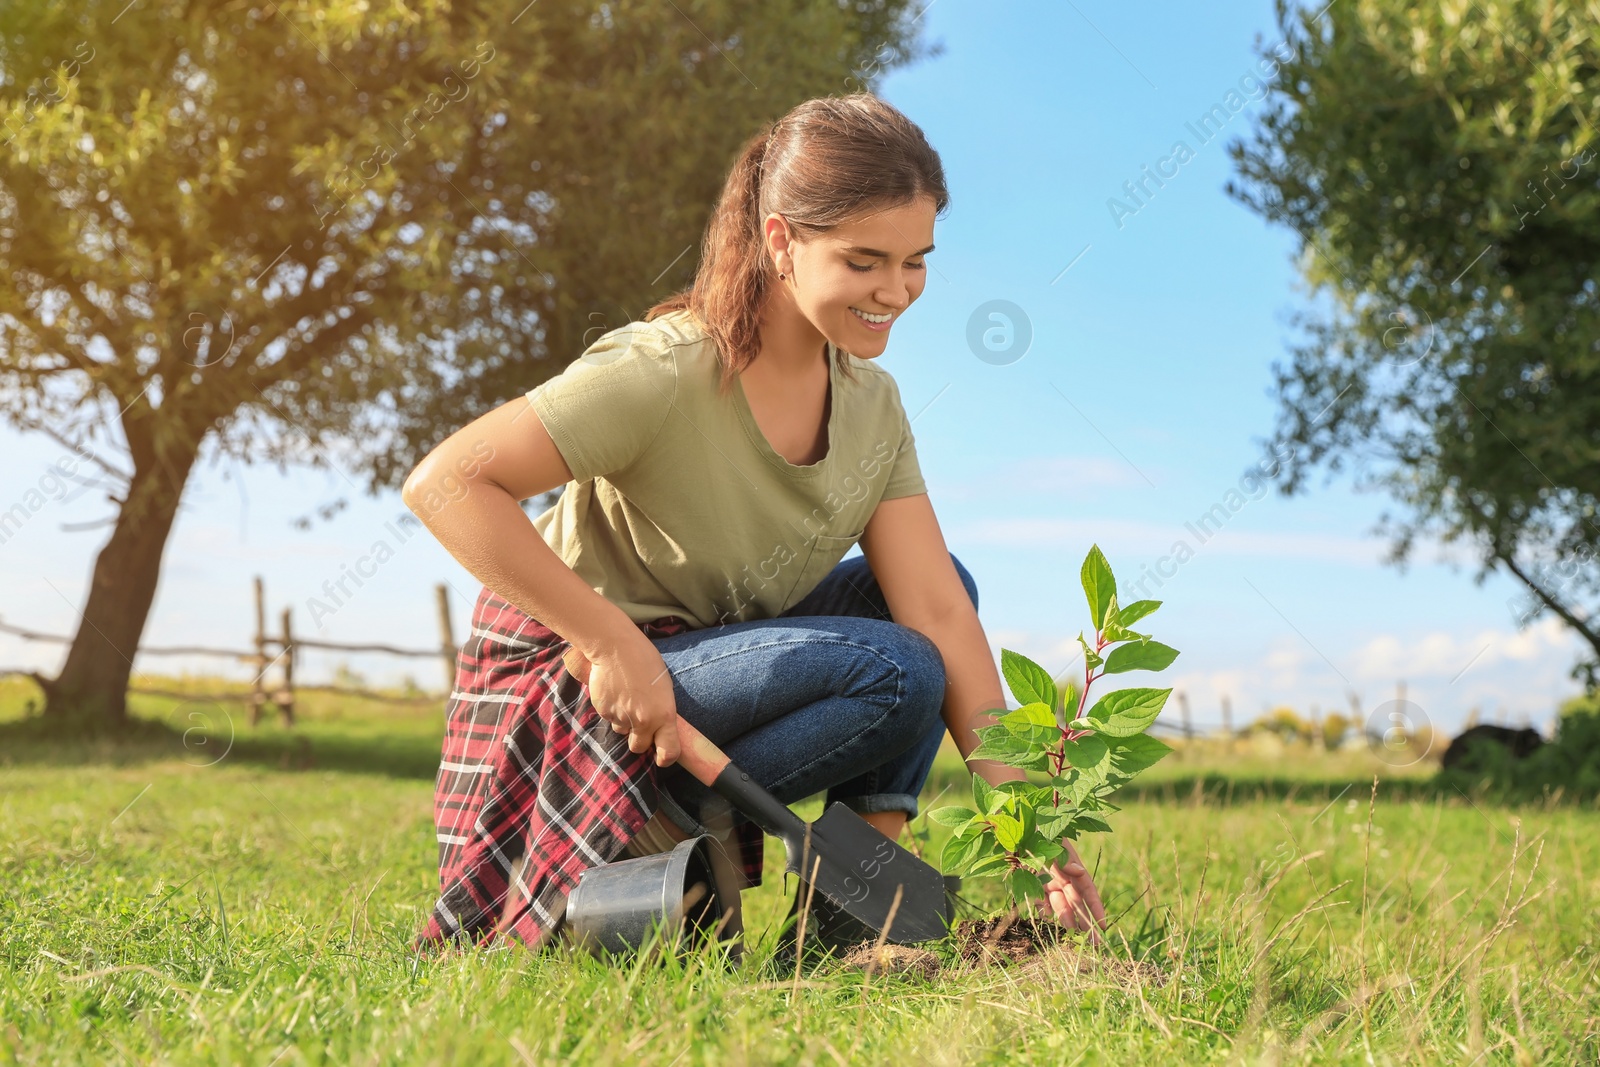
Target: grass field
<point>252,901</point>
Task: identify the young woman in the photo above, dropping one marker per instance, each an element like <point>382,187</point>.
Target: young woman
<point>720,457</point>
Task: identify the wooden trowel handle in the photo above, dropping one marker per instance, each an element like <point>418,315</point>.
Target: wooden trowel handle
<point>712,767</point>
<point>699,756</point>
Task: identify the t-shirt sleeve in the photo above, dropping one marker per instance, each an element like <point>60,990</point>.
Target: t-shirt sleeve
<point>606,407</point>
<point>905,473</point>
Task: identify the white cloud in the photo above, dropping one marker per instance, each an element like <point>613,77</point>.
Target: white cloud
<point>1505,676</point>
<point>1457,656</point>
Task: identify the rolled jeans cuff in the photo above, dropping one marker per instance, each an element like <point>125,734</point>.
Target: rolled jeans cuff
<point>681,818</point>
<point>875,802</point>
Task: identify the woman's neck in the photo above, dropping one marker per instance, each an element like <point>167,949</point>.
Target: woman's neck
<point>791,347</point>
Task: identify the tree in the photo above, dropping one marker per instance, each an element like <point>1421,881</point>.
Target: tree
<point>1440,162</point>
<point>333,232</point>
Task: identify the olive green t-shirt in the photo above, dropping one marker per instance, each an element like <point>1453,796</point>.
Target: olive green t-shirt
<point>678,503</point>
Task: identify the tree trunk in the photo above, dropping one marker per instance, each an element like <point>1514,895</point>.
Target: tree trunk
<point>92,689</point>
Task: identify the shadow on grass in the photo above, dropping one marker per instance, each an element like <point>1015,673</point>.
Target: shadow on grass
<point>325,746</point>
<point>36,742</point>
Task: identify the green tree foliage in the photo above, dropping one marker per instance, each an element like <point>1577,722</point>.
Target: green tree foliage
<point>333,232</point>
<point>1440,162</point>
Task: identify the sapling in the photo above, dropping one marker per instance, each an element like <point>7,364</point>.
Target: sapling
<point>1084,752</point>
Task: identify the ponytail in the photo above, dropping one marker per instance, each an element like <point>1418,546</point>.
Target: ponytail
<point>828,161</point>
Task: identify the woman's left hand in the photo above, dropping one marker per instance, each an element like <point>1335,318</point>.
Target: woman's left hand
<point>1071,896</point>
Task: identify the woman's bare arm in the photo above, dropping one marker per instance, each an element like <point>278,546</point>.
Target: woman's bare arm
<point>907,553</point>
<point>467,492</point>
<point>908,556</point>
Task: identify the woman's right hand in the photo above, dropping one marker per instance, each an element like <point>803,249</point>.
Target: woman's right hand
<point>630,688</point>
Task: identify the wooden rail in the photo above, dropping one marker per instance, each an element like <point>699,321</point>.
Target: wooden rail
<point>268,651</point>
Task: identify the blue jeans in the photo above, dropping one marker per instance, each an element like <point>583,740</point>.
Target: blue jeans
<point>830,695</point>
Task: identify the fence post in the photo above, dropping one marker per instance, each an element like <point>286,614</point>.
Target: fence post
<point>1183,707</point>
<point>1227,717</point>
<point>258,692</point>
<point>447,641</point>
<point>286,694</point>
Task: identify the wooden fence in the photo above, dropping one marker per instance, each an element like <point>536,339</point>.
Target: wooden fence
<point>281,650</point>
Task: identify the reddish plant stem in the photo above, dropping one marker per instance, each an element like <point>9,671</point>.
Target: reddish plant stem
<point>1089,677</point>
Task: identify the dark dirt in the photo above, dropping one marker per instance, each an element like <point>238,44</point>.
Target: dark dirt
<point>1045,952</point>
<point>1040,950</point>
<point>1005,938</point>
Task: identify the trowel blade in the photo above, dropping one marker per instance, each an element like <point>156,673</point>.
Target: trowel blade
<point>858,869</point>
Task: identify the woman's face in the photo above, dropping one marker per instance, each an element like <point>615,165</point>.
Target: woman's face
<point>875,265</point>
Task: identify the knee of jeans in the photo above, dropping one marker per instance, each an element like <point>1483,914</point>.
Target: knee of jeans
<point>966,580</point>
<point>924,681</point>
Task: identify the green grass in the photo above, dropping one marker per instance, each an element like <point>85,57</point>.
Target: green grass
<point>158,904</point>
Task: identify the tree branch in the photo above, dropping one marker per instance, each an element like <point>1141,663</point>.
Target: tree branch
<point>1550,602</point>
<point>73,447</point>
<point>56,343</point>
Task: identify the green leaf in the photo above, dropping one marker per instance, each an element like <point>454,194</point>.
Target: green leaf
<point>1042,798</point>
<point>1001,748</point>
<point>989,864</point>
<point>1136,611</point>
<point>1140,656</point>
<point>980,793</point>
<point>1115,631</point>
<point>1055,826</point>
<point>1130,755</point>
<point>1128,711</point>
<point>1087,753</point>
<point>1032,840</point>
<point>1036,760</point>
<point>1022,790</point>
<point>1034,723</point>
<point>1029,682</point>
<point>1035,714</point>
<point>1098,585</point>
<point>1007,831</point>
<point>1086,823</point>
<point>1090,656</point>
<point>1024,884</point>
<point>952,816</point>
<point>960,852</point>
<point>1046,853</point>
<point>1066,702</point>
<point>1080,788</point>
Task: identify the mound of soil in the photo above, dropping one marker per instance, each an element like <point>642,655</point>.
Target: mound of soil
<point>1041,950</point>
<point>892,959</point>
<point>1044,951</point>
<point>1005,938</point>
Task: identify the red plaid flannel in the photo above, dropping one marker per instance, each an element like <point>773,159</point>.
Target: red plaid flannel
<point>530,770</point>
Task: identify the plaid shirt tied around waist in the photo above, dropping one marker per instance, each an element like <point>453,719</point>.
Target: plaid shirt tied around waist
<point>533,784</point>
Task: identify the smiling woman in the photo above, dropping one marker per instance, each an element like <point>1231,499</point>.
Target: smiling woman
<point>722,456</point>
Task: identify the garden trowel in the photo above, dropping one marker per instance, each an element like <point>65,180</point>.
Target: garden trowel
<point>841,856</point>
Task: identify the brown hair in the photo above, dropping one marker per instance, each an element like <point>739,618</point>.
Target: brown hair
<point>827,162</point>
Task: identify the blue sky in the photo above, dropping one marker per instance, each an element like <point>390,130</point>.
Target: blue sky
<point>1141,401</point>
